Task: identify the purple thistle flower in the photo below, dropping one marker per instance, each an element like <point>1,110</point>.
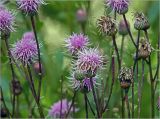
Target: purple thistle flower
<point>29,6</point>
<point>7,20</point>
<point>56,109</point>
<point>76,42</point>
<point>80,81</point>
<point>25,50</point>
<point>120,6</point>
<point>89,61</point>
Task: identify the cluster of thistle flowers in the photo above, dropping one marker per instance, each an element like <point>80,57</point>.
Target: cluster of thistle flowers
<point>86,62</point>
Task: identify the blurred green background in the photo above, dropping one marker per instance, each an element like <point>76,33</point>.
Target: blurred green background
<point>55,22</point>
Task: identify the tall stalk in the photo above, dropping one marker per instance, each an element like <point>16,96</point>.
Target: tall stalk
<point>127,104</point>
<point>140,86</point>
<point>13,73</point>
<point>95,98</point>
<point>113,78</point>
<point>86,106</point>
<point>39,58</point>
<point>151,80</point>
<point>122,47</point>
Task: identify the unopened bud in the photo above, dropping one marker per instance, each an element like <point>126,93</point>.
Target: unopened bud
<point>81,15</point>
<point>122,28</point>
<point>16,87</point>
<point>37,68</point>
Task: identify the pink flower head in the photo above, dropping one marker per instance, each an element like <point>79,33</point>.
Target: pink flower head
<point>7,20</point>
<point>76,42</point>
<point>29,6</point>
<point>120,6</point>
<point>25,50</point>
<point>58,109</point>
<point>89,60</point>
<point>81,82</point>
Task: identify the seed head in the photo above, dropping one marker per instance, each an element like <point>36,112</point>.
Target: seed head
<point>145,49</point>
<point>141,22</point>
<point>120,6</point>
<point>25,50</point>
<point>125,77</point>
<point>107,25</point>
<point>56,109</point>
<point>29,7</point>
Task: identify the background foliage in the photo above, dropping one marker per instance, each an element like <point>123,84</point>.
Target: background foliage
<point>55,22</point>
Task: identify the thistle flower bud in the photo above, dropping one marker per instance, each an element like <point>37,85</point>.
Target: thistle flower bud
<point>4,112</point>
<point>122,29</point>
<point>29,7</point>
<point>144,49</point>
<point>120,6</point>
<point>107,25</point>
<point>37,68</point>
<point>81,15</point>
<point>16,87</point>
<point>81,82</point>
<point>125,77</point>
<point>141,21</point>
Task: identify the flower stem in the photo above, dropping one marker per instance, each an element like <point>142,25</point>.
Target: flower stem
<point>140,90</point>
<point>122,46</point>
<point>113,78</point>
<point>86,107</point>
<point>13,73</point>
<point>127,104</point>
<point>90,106</point>
<point>134,66</point>
<point>151,80</point>
<point>73,99</point>
<point>39,58</point>
<point>95,98</point>
<point>130,34</point>
<point>61,81</point>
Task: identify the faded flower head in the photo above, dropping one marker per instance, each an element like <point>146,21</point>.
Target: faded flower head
<point>120,6</point>
<point>141,22</point>
<point>29,7</point>
<point>7,20</point>
<point>57,109</point>
<point>125,77</point>
<point>81,15</point>
<point>145,49</point>
<point>122,29</point>
<point>107,25</point>
<point>89,61</point>
<point>76,42</point>
<point>25,50</point>
<point>78,81</point>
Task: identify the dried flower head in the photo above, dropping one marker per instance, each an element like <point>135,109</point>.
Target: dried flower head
<point>120,6</point>
<point>81,15</point>
<point>16,87</point>
<point>76,42</point>
<point>7,21</point>
<point>29,7</point>
<point>141,22</point>
<point>58,109</point>
<point>122,29</point>
<point>89,61</point>
<point>107,25</point>
<point>25,50</point>
<point>145,49</point>
<point>80,82</point>
<point>125,77</point>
